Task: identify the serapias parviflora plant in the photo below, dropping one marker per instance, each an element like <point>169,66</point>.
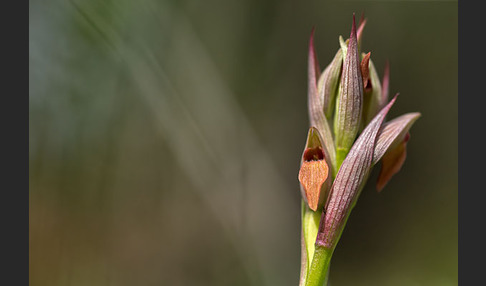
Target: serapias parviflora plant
<point>348,136</point>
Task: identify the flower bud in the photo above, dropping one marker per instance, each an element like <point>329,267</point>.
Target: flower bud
<point>349,103</point>
<point>346,99</point>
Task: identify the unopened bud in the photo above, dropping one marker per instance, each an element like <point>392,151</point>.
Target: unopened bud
<point>349,103</point>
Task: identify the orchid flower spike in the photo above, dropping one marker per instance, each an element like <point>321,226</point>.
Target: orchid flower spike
<point>348,135</point>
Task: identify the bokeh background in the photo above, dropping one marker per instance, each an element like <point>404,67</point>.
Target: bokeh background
<point>165,142</point>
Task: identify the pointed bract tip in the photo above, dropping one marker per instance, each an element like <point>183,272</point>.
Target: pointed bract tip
<point>314,69</point>
<point>311,38</point>
<point>386,72</point>
<point>312,32</point>
<point>361,28</point>
<point>390,104</point>
<point>353,28</point>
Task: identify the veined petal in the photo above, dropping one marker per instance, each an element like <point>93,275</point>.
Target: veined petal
<point>349,180</point>
<point>315,106</point>
<point>328,84</point>
<point>349,104</point>
<point>313,73</point>
<point>392,133</point>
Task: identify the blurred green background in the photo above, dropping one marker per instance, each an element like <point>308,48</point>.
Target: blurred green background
<point>165,142</point>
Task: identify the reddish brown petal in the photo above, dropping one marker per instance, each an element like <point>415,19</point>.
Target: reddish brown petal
<point>392,162</point>
<point>312,176</point>
<point>392,133</point>
<point>365,70</point>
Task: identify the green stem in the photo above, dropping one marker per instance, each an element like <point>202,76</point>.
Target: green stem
<point>318,272</point>
<point>310,227</point>
<point>318,257</point>
<point>304,263</point>
<point>319,269</point>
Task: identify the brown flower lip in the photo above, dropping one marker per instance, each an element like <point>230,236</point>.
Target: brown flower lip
<point>314,171</point>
